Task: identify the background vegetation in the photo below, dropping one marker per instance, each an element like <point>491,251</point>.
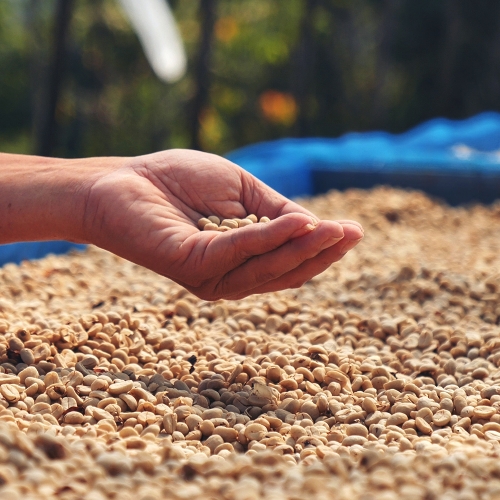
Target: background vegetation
<point>267,69</point>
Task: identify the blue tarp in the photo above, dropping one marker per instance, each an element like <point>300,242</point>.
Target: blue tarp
<point>17,252</point>
<point>455,160</point>
<point>441,149</point>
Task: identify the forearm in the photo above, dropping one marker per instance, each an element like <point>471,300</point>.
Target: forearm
<point>44,198</point>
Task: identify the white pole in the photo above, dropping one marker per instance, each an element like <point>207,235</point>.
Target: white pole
<point>157,31</point>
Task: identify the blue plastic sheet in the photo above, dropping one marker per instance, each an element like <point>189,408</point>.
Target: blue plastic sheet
<point>458,161</point>
<point>17,252</point>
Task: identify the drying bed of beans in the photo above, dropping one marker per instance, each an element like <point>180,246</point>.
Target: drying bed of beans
<point>378,379</point>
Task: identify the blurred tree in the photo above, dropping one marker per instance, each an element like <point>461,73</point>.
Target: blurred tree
<point>48,126</point>
<point>15,109</point>
<point>258,70</point>
<point>202,73</point>
<point>305,60</point>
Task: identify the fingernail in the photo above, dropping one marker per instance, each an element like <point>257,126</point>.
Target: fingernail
<point>330,242</point>
<point>312,225</point>
<point>355,226</point>
<point>307,228</point>
<point>349,245</point>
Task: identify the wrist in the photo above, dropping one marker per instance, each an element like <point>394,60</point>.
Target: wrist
<point>45,198</point>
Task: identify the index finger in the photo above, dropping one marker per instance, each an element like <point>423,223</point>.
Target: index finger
<point>260,199</point>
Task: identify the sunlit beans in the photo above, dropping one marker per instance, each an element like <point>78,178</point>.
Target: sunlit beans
<point>377,373</point>
<point>214,223</point>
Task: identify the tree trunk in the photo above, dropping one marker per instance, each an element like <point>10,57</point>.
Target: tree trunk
<point>304,67</point>
<point>202,69</point>
<point>450,51</point>
<point>382,94</point>
<point>47,136</point>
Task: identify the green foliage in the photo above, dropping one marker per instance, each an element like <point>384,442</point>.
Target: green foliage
<point>278,68</point>
<point>14,87</point>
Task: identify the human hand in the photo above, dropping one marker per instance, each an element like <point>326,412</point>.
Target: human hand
<point>146,210</point>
